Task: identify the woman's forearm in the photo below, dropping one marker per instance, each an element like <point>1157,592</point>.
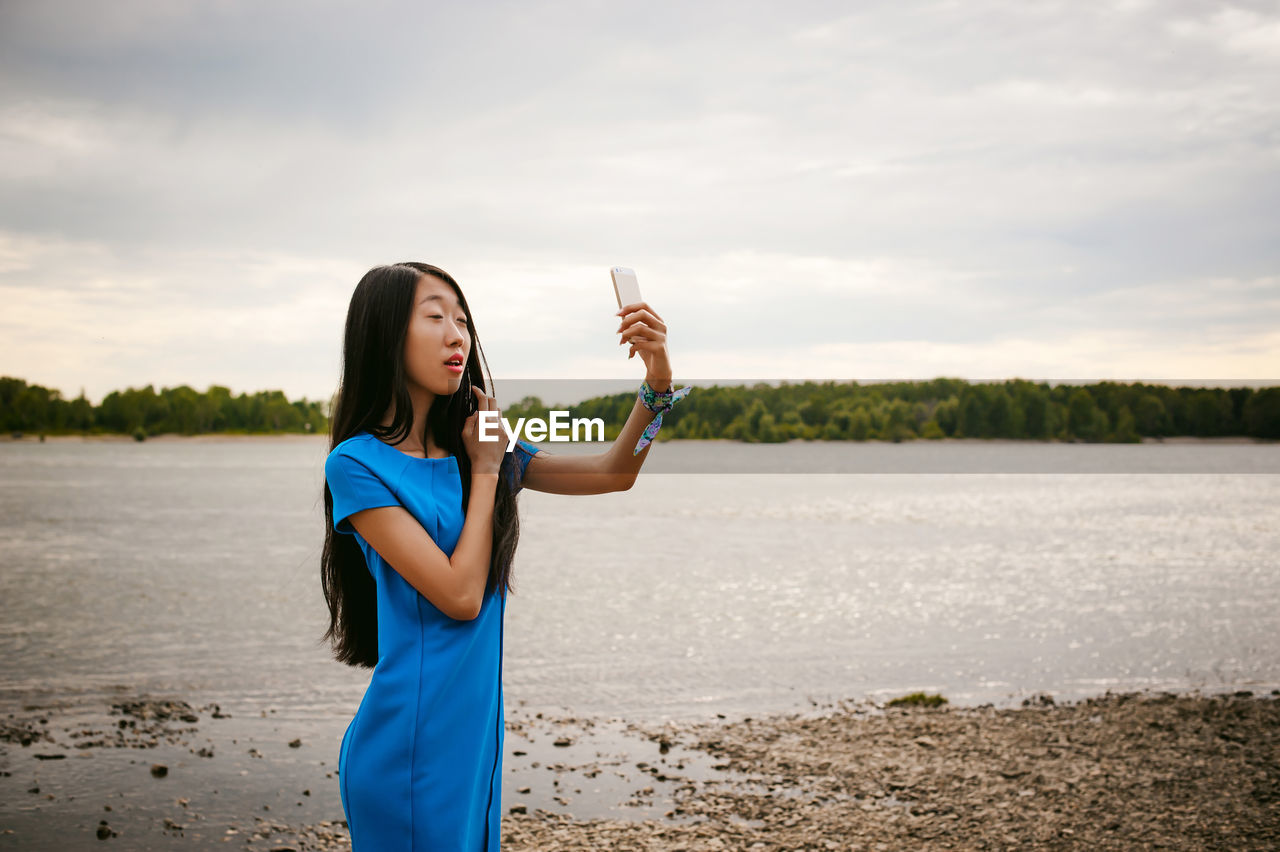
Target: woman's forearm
<point>619,458</point>
<point>475,545</point>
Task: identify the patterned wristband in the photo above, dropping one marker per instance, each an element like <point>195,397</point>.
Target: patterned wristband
<point>659,403</point>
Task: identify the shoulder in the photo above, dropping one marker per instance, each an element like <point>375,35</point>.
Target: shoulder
<point>356,448</point>
<point>363,453</point>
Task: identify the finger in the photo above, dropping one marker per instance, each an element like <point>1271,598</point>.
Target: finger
<point>646,334</point>
<point>642,316</point>
<point>637,328</point>
<point>638,306</point>
<point>647,317</point>
<point>484,402</point>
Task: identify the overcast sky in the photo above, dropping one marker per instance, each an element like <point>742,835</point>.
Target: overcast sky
<point>190,191</point>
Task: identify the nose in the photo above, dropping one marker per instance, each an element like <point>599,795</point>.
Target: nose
<point>456,334</point>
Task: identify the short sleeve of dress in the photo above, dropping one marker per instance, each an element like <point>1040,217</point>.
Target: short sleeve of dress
<point>523,451</point>
<point>354,488</point>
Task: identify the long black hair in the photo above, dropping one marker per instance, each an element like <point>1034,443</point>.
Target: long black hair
<point>373,380</point>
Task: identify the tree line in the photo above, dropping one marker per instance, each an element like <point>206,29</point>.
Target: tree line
<point>143,412</point>
<point>949,408</point>
<point>830,411</point>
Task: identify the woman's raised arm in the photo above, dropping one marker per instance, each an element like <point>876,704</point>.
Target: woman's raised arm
<point>616,468</point>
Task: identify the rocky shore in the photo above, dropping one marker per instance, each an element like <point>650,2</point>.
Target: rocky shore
<point>1118,772</point>
<point>1125,771</point>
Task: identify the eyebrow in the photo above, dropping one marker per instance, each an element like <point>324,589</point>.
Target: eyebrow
<point>437,297</point>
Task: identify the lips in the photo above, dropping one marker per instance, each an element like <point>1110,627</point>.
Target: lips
<point>455,363</point>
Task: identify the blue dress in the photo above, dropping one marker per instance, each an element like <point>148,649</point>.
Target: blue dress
<point>420,766</point>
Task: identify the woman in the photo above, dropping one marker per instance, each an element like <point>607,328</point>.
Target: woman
<point>421,529</point>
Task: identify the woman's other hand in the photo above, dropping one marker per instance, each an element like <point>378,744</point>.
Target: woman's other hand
<point>647,333</point>
<point>486,456</point>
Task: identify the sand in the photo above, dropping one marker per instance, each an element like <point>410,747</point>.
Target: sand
<point>1117,772</point>
<point>1125,771</point>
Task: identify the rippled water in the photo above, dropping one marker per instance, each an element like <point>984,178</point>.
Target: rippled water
<point>190,567</point>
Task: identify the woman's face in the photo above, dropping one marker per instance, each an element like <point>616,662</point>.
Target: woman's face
<point>438,334</point>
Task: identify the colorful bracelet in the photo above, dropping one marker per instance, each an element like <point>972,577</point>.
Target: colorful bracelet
<point>658,403</point>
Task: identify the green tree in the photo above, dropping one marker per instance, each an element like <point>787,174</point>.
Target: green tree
<point>1084,419</point>
<point>1150,417</point>
<point>948,415</point>
<point>973,415</point>
<point>1126,429</point>
<point>1262,414</point>
<point>932,431</point>
<point>999,415</point>
<point>1210,413</point>
<point>860,424</point>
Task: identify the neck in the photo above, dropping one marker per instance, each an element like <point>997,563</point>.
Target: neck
<point>421,399</point>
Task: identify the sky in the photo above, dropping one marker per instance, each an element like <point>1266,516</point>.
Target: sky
<point>190,191</point>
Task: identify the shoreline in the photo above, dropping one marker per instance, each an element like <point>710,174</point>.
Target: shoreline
<point>1121,770</point>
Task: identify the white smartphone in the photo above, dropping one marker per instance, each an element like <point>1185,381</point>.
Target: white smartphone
<point>625,286</point>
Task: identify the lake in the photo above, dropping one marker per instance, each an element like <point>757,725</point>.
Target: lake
<point>731,580</point>
<point>190,567</point>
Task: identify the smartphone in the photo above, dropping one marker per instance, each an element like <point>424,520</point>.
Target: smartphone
<point>625,286</point>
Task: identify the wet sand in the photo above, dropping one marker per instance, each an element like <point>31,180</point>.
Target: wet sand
<point>1128,771</point>
<point>1117,772</point>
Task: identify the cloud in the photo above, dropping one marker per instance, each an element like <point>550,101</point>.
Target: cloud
<point>200,185</point>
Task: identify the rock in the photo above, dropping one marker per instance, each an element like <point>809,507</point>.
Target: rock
<point>104,830</point>
<point>159,770</point>
<point>295,743</point>
<point>564,741</point>
<point>518,809</point>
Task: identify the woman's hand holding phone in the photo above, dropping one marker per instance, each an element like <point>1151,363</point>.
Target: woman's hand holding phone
<point>647,333</point>
<point>486,456</point>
